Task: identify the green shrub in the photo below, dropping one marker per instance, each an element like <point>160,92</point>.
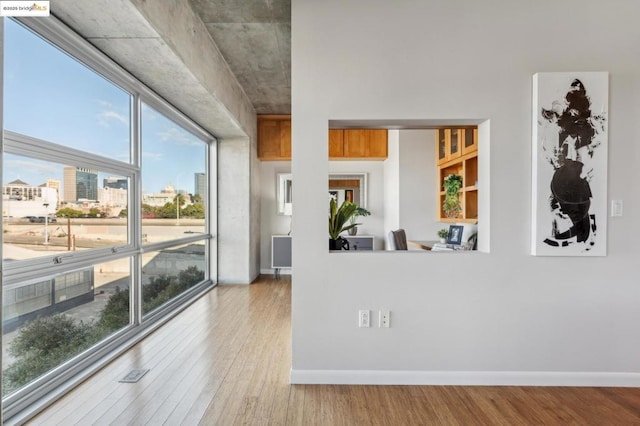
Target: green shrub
<point>45,343</point>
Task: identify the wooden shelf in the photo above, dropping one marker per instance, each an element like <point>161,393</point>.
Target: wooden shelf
<point>457,154</point>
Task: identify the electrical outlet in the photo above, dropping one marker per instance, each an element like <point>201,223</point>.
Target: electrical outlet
<point>616,208</point>
<point>384,318</point>
<point>364,318</point>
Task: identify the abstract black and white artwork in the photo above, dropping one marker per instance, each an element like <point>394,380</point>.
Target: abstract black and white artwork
<point>570,121</point>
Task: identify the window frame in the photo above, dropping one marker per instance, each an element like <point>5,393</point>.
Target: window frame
<point>28,400</point>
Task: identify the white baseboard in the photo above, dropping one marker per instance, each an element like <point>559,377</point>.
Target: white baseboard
<point>272,271</point>
<point>464,378</point>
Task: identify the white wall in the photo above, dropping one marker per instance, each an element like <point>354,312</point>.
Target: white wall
<point>392,182</point>
<point>273,224</point>
<point>500,317</point>
<point>418,184</point>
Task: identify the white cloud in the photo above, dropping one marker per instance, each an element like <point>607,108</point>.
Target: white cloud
<point>32,172</point>
<point>105,117</point>
<point>153,155</point>
<point>32,166</point>
<point>104,104</point>
<point>179,137</point>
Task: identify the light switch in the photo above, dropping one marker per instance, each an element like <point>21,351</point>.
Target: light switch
<point>616,208</point>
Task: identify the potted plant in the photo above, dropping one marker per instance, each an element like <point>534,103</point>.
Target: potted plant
<point>360,211</point>
<point>442,234</point>
<point>451,205</point>
<point>338,223</point>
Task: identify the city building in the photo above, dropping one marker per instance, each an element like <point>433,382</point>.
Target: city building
<point>79,184</point>
<point>493,336</point>
<point>200,184</point>
<point>159,199</point>
<point>113,200</point>
<point>116,183</point>
<point>19,199</point>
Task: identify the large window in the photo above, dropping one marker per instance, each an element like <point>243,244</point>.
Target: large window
<point>49,95</point>
<point>105,201</point>
<point>51,208</point>
<point>173,195</point>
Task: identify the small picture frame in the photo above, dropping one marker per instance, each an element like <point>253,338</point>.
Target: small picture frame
<point>455,234</point>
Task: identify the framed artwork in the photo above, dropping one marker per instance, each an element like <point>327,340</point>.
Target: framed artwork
<point>569,163</point>
<point>455,234</point>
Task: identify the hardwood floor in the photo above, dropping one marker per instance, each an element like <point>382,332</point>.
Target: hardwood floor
<point>226,359</point>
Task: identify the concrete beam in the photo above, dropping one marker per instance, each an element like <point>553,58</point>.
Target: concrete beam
<point>166,46</point>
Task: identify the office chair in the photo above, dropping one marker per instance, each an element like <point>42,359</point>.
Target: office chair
<point>397,240</point>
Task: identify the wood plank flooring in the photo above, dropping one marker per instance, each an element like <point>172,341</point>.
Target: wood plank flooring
<point>226,359</point>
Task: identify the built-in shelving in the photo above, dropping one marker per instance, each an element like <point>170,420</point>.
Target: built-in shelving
<point>457,154</point>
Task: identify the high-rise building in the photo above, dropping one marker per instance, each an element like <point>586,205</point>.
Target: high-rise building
<point>115,183</point>
<point>200,184</point>
<point>80,184</point>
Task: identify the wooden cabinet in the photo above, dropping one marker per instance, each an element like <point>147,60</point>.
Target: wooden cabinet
<point>453,143</point>
<point>274,141</point>
<point>358,144</point>
<point>469,140</point>
<point>336,143</point>
<point>274,137</point>
<point>457,154</point>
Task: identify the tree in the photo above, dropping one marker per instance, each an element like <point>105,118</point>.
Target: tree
<point>43,344</point>
<point>123,213</point>
<point>69,212</point>
<point>147,209</point>
<point>95,212</point>
<point>195,211</point>
<point>191,276</point>
<point>115,314</point>
<point>168,211</point>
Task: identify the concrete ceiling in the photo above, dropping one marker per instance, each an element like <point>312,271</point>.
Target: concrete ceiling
<point>218,61</point>
<point>254,37</point>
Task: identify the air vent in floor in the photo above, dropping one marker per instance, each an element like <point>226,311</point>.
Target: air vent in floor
<point>133,376</point>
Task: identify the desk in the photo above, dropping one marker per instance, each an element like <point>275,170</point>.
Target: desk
<point>422,244</point>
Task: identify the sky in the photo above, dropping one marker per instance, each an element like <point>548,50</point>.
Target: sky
<point>51,96</point>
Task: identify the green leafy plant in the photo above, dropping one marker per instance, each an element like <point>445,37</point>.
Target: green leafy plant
<point>339,216</point>
<point>443,233</point>
<point>47,342</point>
<point>451,205</point>
<point>69,212</point>
<point>360,211</point>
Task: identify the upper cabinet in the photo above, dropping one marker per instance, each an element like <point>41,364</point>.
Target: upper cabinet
<point>274,137</point>
<point>453,143</point>
<point>336,143</point>
<point>469,140</point>
<point>358,144</point>
<point>274,141</point>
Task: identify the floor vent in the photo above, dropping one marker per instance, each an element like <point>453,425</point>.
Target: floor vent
<point>133,376</point>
